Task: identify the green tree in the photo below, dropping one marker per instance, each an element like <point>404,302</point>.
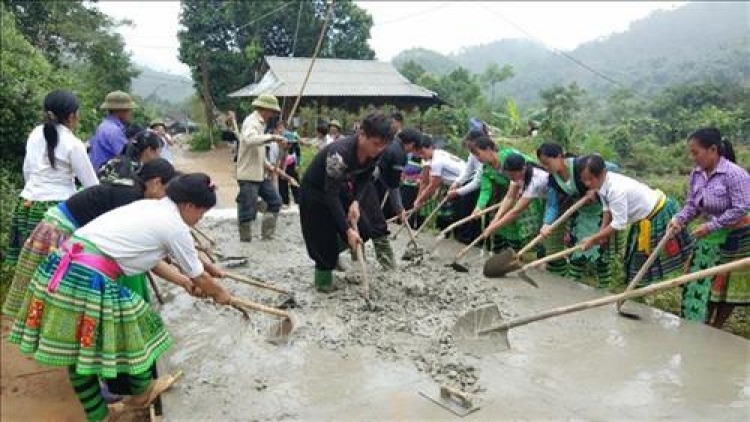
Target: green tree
<point>460,88</point>
<point>232,37</point>
<point>562,105</point>
<point>493,75</point>
<point>412,71</point>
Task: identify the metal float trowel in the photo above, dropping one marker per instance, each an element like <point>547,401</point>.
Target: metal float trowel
<point>456,401</point>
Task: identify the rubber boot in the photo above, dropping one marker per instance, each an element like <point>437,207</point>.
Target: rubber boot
<point>324,281</point>
<point>268,226</point>
<point>261,206</point>
<point>384,252</point>
<point>246,231</point>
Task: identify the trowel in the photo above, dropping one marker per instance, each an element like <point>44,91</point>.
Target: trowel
<point>482,329</point>
<point>458,402</point>
<point>280,330</point>
<point>286,303</point>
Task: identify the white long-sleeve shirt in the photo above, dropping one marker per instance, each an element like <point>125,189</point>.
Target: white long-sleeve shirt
<point>44,183</point>
<point>472,171</point>
<point>627,199</point>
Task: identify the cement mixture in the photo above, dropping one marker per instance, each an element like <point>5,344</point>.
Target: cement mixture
<point>344,362</point>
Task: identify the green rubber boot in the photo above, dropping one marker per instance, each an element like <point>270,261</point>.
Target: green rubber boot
<point>324,281</point>
<point>384,252</point>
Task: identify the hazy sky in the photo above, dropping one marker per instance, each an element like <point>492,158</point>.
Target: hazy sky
<point>442,26</point>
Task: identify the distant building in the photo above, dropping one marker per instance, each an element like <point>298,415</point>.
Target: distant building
<point>347,84</point>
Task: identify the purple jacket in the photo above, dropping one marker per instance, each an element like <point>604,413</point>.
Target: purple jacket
<point>723,197</point>
<point>107,142</point>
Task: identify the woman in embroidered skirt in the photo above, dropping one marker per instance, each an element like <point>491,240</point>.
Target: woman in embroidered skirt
<point>566,188</point>
<point>75,315</point>
<point>61,221</point>
<point>494,185</point>
<point>719,197</point>
<point>54,156</point>
<point>626,201</point>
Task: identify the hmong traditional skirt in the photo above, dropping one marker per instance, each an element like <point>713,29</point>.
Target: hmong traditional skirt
<point>88,321</point>
<point>26,216</point>
<point>732,288</point>
<point>673,257</point>
<point>585,223</point>
<point>522,230</point>
<point>47,236</point>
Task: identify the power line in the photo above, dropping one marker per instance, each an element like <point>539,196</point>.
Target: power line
<point>265,15</point>
<point>559,52</point>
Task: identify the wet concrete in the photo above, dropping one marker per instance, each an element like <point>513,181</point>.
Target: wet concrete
<point>344,363</point>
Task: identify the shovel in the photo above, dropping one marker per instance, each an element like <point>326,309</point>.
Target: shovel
<point>505,262</point>
<point>289,302</point>
<point>280,330</point>
<point>360,252</point>
<point>415,251</point>
<point>211,240</point>
<point>403,223</point>
<point>444,234</point>
<point>511,260</point>
<point>642,272</point>
<point>483,327</point>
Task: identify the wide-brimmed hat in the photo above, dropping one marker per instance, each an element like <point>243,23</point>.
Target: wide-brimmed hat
<point>156,122</point>
<point>268,102</point>
<point>334,123</point>
<point>118,100</point>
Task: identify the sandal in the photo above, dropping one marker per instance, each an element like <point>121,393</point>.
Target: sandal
<point>157,387</point>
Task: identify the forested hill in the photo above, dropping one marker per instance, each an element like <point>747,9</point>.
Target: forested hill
<point>696,42</point>
<point>151,84</point>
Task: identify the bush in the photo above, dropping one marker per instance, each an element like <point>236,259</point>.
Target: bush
<point>201,141</point>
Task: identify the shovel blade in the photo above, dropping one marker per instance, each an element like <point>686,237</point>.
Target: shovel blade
<point>525,277</point>
<point>458,267</point>
<point>501,264</point>
<point>458,408</point>
<point>280,331</point>
<point>471,335</point>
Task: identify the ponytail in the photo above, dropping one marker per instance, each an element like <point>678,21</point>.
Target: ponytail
<point>709,137</point>
<point>727,150</point>
<point>58,107</point>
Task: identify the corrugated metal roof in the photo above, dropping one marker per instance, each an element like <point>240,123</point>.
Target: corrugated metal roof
<point>333,78</point>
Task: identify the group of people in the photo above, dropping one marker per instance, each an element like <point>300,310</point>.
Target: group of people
<point>80,254</point>
<point>353,185</point>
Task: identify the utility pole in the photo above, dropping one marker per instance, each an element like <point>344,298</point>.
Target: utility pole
<point>208,103</point>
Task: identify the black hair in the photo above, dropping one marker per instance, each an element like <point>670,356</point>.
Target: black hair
<point>192,188</point>
<point>322,130</point>
<point>425,141</point>
<point>709,137</point>
<point>484,143</point>
<point>134,149</point>
<point>397,117</point>
<point>133,130</point>
<point>378,126</point>
<point>158,167</point>
<point>514,162</point>
<point>58,106</point>
<point>410,136</point>
<point>549,149</point>
<point>474,134</point>
<point>594,163</point>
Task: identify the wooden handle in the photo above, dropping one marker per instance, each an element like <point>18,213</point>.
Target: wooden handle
<point>555,224</point>
<point>210,239</point>
<point>651,258</point>
<point>395,217</point>
<point>467,219</point>
<point>664,285</point>
<point>554,256</point>
<point>432,214</point>
<point>244,303</point>
<point>466,249</point>
<point>253,282</point>
<point>448,392</point>
<point>363,268</point>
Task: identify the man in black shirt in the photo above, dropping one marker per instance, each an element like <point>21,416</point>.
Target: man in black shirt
<point>337,189</point>
<point>390,167</point>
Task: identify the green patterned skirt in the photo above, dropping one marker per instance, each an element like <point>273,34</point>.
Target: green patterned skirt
<point>673,257</point>
<point>26,216</point>
<point>732,288</point>
<point>522,230</point>
<point>48,235</point>
<point>587,222</point>
<point>90,322</point>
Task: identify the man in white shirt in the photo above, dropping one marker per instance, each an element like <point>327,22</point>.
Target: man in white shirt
<point>442,168</point>
<point>465,190</point>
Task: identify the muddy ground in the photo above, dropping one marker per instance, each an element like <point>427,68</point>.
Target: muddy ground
<point>344,362</point>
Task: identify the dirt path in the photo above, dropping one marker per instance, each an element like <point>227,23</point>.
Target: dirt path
<point>218,164</point>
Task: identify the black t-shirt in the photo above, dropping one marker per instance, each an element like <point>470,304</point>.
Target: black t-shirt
<point>336,174</point>
<point>90,203</point>
<point>392,164</point>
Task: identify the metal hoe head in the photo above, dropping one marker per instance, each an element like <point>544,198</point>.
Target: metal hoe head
<point>458,402</point>
<point>473,331</point>
<point>501,264</point>
<point>280,331</point>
